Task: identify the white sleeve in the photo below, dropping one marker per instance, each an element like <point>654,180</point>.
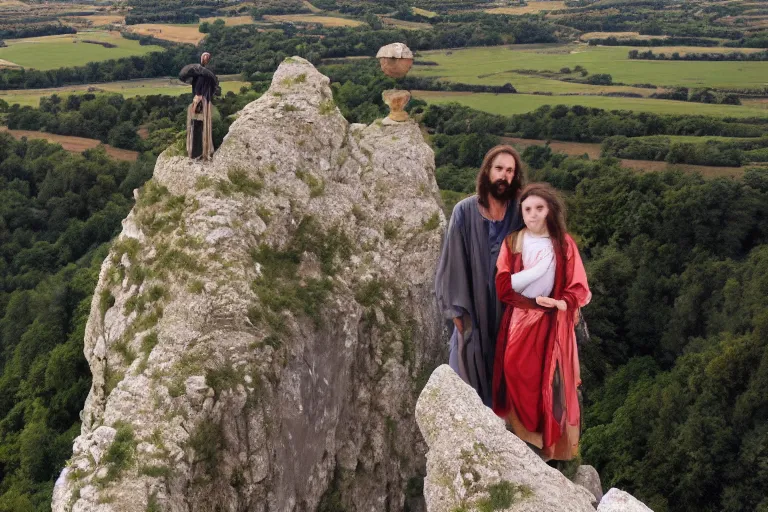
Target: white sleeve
<point>525,277</point>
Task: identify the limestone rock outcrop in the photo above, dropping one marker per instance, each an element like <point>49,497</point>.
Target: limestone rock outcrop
<point>474,460</point>
<point>475,464</point>
<point>264,323</point>
<point>616,500</point>
<point>588,477</point>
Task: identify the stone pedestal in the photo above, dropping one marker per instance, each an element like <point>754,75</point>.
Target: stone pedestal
<point>396,100</point>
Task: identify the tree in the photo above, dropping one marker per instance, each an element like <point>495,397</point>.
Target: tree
<point>600,79</point>
<point>124,136</point>
<point>373,21</point>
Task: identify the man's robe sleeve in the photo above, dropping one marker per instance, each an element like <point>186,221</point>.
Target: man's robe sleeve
<point>453,280</point>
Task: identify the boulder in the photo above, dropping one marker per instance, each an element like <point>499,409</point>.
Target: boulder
<point>475,463</point>
<point>616,500</point>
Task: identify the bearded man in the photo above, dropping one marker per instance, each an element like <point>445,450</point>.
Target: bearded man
<point>199,125</point>
<point>465,281</point>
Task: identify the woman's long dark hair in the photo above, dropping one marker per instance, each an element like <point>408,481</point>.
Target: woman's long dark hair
<point>483,186</point>
<point>556,216</point>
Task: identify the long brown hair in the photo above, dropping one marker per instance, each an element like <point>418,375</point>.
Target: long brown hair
<point>483,186</point>
<point>556,216</point>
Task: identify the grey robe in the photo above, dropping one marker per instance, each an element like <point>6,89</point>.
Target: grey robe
<point>465,286</point>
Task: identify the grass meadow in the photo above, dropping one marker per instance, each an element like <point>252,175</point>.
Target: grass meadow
<point>493,65</point>
<point>408,25</point>
<point>230,21</point>
<point>100,20</point>
<point>51,52</point>
<point>530,8</point>
<point>311,7</point>
<point>128,88</point>
<point>189,33</point>
<point>328,21</point>
<point>423,12</point>
<point>509,104</point>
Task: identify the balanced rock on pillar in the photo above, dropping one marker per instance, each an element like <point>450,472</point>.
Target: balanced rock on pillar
<point>396,60</point>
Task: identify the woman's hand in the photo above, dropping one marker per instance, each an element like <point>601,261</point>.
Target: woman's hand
<point>549,302</point>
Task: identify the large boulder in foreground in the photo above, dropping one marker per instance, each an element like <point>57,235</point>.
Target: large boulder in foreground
<point>616,500</point>
<point>264,323</point>
<point>474,463</point>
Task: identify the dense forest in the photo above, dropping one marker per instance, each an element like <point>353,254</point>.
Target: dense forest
<point>585,124</point>
<point>666,41</point>
<point>116,120</point>
<point>709,56</point>
<point>701,23</point>
<point>59,212</point>
<point>708,152</point>
<point>675,373</point>
<point>677,366</point>
<point>675,262</point>
<point>34,30</point>
<point>171,11</point>
<point>623,134</point>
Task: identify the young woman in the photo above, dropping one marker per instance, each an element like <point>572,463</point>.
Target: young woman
<point>541,280</point>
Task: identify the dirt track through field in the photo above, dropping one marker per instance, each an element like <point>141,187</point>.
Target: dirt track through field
<point>74,144</point>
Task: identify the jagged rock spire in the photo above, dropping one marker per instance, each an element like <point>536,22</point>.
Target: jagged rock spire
<point>265,321</point>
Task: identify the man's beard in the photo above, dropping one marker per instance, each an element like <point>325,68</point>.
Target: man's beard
<point>502,191</point>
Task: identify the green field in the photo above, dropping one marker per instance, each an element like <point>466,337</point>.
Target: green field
<point>423,12</point>
<point>694,138</point>
<point>51,52</point>
<point>129,88</point>
<point>509,104</point>
<point>530,84</point>
<point>491,65</point>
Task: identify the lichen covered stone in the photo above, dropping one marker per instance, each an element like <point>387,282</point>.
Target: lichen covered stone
<point>265,321</point>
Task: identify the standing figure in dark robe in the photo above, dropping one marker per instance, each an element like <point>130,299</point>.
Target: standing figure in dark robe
<point>199,125</point>
<point>465,282</point>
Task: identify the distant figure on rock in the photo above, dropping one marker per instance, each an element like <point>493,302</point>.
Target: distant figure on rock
<point>464,283</point>
<point>199,126</point>
<point>542,281</point>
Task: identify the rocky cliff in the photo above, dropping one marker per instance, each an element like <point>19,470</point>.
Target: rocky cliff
<point>475,464</point>
<point>264,323</point>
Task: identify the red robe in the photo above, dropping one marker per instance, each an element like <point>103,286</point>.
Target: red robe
<point>536,370</point>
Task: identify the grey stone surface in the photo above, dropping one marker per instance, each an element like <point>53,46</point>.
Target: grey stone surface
<point>587,477</point>
<point>472,456</point>
<point>394,51</point>
<point>236,384</point>
<point>616,500</point>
